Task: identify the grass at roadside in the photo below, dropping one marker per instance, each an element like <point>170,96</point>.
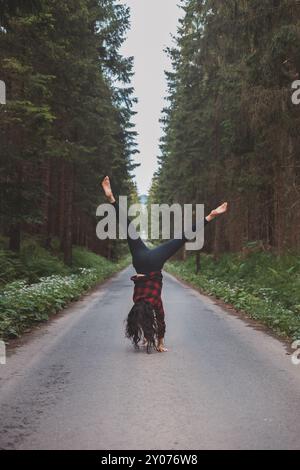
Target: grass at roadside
<point>24,304</point>
<point>263,286</point>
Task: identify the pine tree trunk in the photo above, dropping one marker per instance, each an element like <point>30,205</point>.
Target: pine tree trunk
<point>62,205</point>
<point>68,226</point>
<point>46,229</point>
<point>15,238</point>
<point>15,229</point>
<point>197,262</point>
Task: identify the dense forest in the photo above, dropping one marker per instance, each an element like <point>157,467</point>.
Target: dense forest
<point>67,121</point>
<point>231,131</point>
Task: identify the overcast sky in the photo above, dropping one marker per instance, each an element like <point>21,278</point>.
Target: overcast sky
<point>152,22</point>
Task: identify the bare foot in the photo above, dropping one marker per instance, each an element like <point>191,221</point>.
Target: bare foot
<point>107,189</point>
<point>160,347</point>
<point>218,211</point>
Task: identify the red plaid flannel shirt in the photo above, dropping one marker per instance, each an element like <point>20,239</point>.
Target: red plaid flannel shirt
<point>148,288</point>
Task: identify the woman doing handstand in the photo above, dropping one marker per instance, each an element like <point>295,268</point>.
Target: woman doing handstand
<point>146,319</point>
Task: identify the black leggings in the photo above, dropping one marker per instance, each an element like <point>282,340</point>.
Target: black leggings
<point>146,259</point>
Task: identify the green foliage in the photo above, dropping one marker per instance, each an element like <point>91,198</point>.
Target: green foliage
<point>82,258</point>
<point>31,263</point>
<point>264,286</point>
<point>22,305</point>
<point>38,261</point>
<point>10,267</point>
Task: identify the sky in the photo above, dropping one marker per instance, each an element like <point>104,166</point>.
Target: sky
<point>152,22</point>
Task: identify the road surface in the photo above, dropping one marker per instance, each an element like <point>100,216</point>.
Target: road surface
<point>77,383</point>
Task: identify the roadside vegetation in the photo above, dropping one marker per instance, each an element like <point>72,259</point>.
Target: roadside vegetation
<point>37,284</point>
<point>263,286</point>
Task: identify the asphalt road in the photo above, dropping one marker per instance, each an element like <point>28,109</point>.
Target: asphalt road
<point>77,383</point>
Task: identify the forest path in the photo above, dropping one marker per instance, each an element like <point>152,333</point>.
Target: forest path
<point>79,384</point>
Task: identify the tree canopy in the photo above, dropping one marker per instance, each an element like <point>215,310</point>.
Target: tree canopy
<point>231,131</point>
<point>67,122</point>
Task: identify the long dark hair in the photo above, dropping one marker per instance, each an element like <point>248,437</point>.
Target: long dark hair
<point>142,324</point>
